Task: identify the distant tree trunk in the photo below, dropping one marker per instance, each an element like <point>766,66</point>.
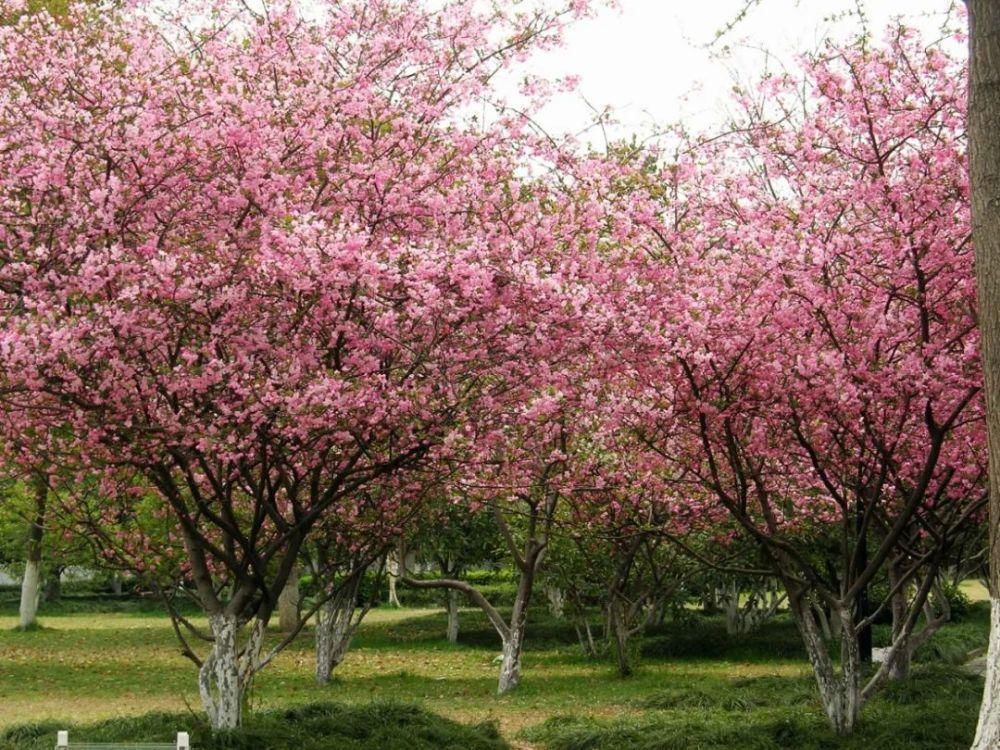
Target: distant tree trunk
<point>116,584</point>
<point>32,580</point>
<point>586,637</point>
<point>728,595</point>
<point>822,620</point>
<point>288,604</point>
<point>393,592</point>
<point>53,582</point>
<point>619,627</point>
<point>511,632</point>
<point>984,170</point>
<point>453,599</point>
<point>31,585</point>
<point>557,601</point>
<point>451,569</point>
<point>836,625</point>
<point>397,565</point>
<point>900,669</point>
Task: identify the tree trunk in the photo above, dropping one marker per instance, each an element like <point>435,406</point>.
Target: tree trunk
<point>823,621</point>
<point>620,636</point>
<point>32,580</point>
<point>453,597</point>
<point>836,625</point>
<point>392,572</point>
<point>988,730</point>
<point>30,593</point>
<point>53,583</point>
<point>510,661</point>
<point>224,675</point>
<point>335,626</point>
<point>900,668</point>
<point>586,637</point>
<point>557,601</point>
<point>729,596</point>
<point>984,169</point>
<point>288,603</point>
<point>839,693</point>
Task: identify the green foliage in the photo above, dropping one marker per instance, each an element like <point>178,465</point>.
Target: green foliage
<point>490,576</point>
<point>958,602</point>
<point>498,594</point>
<point>95,603</point>
<point>316,726</point>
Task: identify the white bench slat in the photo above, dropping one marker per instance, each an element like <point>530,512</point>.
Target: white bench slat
<point>62,743</point>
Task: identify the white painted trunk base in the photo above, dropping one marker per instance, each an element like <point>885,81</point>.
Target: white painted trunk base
<point>988,729</point>
<point>334,630</point>
<point>30,592</point>
<point>225,674</point>
<point>839,693</point>
<point>510,662</point>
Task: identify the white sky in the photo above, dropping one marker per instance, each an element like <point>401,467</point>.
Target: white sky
<point>649,61</point>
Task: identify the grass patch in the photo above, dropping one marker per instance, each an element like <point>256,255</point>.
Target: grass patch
<point>317,726</point>
<point>695,686</point>
<point>954,642</point>
<point>32,628</point>
<point>699,637</point>
<point>934,710</point>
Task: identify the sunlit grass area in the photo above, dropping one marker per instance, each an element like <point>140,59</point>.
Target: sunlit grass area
<point>695,687</point>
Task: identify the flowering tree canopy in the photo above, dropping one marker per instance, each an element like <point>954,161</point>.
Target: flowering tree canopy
<point>252,262</point>
<point>820,357</point>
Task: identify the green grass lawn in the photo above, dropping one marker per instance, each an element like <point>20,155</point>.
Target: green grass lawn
<point>695,687</point>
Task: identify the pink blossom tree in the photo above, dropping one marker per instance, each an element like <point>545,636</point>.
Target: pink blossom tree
<point>819,367</point>
<point>255,263</point>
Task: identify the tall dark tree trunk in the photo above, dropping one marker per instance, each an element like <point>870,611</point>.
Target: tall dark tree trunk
<point>862,606</point>
<point>984,169</point>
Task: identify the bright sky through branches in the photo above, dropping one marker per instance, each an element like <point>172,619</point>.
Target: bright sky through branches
<point>651,60</point>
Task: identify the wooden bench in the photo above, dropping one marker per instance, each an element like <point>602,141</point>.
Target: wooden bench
<point>62,743</point>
